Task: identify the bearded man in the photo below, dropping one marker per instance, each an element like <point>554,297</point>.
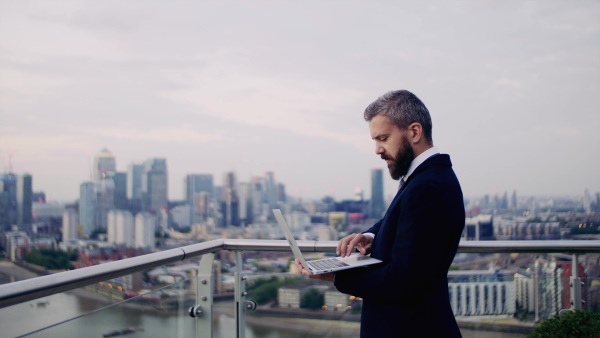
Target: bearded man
<point>407,294</point>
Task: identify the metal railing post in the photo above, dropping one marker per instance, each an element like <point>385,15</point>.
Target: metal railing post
<point>204,297</point>
<point>575,285</point>
<point>240,294</point>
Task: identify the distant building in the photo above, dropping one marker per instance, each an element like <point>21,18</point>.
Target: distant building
<point>335,300</point>
<point>104,201</point>
<point>479,228</point>
<point>104,165</point>
<point>195,183</point>
<point>377,204</point>
<point>524,291</point>
<point>230,201</point>
<point>553,278</point>
<point>181,215</point>
<point>120,228</point>
<point>135,172</point>
<point>70,224</point>
<point>510,229</point>
<point>145,229</point>
<point>481,292</point>
<point>155,185</point>
<point>290,296</point>
<point>8,201</point>
<point>38,197</point>
<point>120,192</point>
<point>87,205</point>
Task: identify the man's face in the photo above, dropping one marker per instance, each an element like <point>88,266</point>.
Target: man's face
<point>392,144</point>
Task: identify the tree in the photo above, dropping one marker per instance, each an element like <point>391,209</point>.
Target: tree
<point>312,299</point>
<point>51,259</point>
<point>571,324</point>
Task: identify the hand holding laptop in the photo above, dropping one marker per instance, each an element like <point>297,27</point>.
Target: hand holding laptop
<point>328,277</point>
<point>326,265</point>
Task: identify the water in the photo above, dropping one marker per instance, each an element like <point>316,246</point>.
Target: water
<point>28,317</point>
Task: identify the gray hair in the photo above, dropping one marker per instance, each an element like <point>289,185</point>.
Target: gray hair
<point>402,108</point>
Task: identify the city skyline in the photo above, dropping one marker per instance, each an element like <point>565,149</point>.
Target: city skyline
<point>281,87</point>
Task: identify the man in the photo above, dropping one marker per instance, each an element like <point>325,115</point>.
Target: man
<point>407,294</point>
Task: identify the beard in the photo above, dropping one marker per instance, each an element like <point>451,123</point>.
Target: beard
<point>399,164</point>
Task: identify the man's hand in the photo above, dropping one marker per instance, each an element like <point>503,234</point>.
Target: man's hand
<point>328,277</point>
<point>347,244</point>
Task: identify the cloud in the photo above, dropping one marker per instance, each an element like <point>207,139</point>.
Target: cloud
<point>237,93</point>
<point>506,82</point>
<point>172,135</point>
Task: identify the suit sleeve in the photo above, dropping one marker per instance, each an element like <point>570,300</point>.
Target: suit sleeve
<point>375,228</point>
<point>421,240</point>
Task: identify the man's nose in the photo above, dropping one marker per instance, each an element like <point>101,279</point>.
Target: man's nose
<point>379,149</point>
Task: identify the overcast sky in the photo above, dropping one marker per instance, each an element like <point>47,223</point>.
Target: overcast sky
<point>513,88</point>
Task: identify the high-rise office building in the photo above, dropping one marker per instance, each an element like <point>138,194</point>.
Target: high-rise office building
<point>271,189</point>
<point>8,201</point>
<point>195,183</point>
<point>587,201</point>
<point>134,180</point>
<point>230,200</point>
<point>104,164</point>
<point>513,200</point>
<point>24,193</point>
<point>201,208</point>
<point>145,228</point>
<point>104,190</point>
<point>155,185</point>
<point>70,224</point>
<point>245,205</point>
<point>377,204</point>
<point>120,193</point>
<point>120,228</point>
<point>87,205</point>
<point>38,197</point>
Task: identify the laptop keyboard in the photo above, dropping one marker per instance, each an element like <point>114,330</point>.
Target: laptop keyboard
<point>324,264</point>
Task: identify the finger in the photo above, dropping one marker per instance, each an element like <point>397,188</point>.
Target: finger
<point>353,243</point>
<point>342,245</point>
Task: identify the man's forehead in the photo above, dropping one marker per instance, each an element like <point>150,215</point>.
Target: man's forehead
<point>381,125</point>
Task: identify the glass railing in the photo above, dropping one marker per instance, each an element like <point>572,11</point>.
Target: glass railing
<point>256,295</point>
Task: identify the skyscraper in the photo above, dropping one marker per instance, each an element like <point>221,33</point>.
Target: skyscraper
<point>24,193</point>
<point>134,180</point>
<point>104,164</point>
<point>272,189</point>
<point>120,180</point>
<point>377,204</point>
<point>154,185</point>
<point>8,201</point>
<point>230,200</point>
<point>145,228</point>
<point>120,228</point>
<point>104,190</point>
<point>70,224</point>
<point>86,207</point>
<point>195,183</point>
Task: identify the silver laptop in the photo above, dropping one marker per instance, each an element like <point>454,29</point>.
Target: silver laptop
<point>322,265</point>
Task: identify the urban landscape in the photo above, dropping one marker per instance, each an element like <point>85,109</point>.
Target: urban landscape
<point>126,214</point>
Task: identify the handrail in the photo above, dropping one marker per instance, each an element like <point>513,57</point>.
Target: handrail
<point>34,288</point>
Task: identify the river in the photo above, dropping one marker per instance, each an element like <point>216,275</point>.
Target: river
<point>26,318</point>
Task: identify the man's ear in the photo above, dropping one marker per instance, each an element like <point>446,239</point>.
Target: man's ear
<point>415,132</point>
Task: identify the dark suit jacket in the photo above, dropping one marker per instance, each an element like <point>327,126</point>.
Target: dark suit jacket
<point>407,294</point>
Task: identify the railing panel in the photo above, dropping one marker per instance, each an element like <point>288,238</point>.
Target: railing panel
<point>159,313</point>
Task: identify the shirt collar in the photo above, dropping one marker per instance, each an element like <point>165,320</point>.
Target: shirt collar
<point>419,160</point>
